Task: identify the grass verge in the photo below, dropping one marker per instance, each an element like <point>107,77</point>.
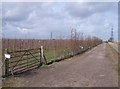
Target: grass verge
<point>115,57</point>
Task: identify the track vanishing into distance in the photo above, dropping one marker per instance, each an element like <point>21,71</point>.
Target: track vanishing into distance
<point>94,68</point>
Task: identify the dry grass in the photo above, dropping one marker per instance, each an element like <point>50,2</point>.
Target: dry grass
<point>114,55</point>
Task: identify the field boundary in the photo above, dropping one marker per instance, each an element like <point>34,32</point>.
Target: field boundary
<point>42,59</point>
<point>69,55</point>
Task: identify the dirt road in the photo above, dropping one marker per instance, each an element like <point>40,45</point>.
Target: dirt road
<point>94,68</point>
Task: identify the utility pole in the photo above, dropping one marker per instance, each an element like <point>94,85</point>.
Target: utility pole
<point>51,36</point>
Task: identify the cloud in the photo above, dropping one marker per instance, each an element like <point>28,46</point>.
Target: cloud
<point>17,11</point>
<point>40,19</point>
<point>83,10</point>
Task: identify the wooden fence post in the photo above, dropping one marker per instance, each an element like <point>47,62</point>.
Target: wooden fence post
<point>7,58</point>
<point>6,67</point>
<point>43,56</point>
<point>40,58</point>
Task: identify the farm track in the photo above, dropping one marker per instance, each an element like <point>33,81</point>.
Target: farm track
<point>95,68</point>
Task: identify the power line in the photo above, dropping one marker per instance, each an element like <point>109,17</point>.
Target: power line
<point>112,35</point>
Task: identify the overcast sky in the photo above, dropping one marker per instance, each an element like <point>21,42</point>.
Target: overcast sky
<point>38,20</point>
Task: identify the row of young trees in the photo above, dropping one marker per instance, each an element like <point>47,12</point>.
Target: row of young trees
<point>76,41</point>
<point>79,40</point>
